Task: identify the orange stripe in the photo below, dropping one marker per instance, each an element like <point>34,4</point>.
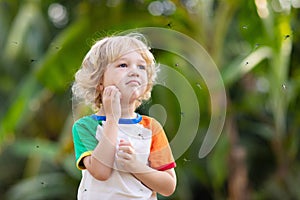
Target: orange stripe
<point>160,153</point>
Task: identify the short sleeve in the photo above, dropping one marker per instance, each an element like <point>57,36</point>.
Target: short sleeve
<point>84,139</point>
<point>161,157</point>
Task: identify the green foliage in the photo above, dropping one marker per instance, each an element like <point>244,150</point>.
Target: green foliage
<point>257,54</point>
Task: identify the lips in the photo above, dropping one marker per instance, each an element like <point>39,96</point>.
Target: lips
<point>135,82</point>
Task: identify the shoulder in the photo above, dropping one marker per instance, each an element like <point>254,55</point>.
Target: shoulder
<point>147,121</point>
<point>86,121</point>
<point>150,123</point>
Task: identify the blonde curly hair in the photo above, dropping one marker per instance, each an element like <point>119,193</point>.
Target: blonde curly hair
<point>101,54</point>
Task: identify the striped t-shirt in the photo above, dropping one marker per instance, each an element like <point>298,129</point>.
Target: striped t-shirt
<point>149,142</point>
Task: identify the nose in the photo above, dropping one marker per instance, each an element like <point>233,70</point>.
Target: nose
<point>134,71</point>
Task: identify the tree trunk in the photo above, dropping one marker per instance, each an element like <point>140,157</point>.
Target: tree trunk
<point>238,172</point>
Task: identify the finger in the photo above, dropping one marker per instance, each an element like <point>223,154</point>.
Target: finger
<point>126,146</point>
<point>123,156</point>
<point>124,143</point>
<point>126,149</point>
<point>107,91</point>
<point>115,94</point>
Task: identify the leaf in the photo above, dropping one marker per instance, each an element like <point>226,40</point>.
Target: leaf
<point>27,32</point>
<point>19,112</point>
<point>47,186</point>
<point>63,57</point>
<point>47,150</point>
<point>241,66</point>
<point>217,162</point>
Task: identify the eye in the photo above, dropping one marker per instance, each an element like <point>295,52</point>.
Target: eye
<point>123,65</point>
<point>141,66</point>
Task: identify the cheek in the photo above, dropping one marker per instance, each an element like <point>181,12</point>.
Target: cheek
<point>143,89</point>
<point>110,79</point>
<point>144,77</point>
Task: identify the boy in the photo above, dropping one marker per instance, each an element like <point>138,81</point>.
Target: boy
<point>122,154</point>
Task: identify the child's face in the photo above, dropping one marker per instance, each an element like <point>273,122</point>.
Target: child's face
<point>128,73</point>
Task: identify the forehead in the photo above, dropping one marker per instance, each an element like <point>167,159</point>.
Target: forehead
<point>132,55</point>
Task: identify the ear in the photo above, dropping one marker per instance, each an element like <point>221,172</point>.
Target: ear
<point>100,87</point>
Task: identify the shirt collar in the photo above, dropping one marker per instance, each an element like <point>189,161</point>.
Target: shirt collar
<point>121,120</point>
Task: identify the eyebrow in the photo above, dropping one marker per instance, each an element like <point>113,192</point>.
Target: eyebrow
<point>125,59</point>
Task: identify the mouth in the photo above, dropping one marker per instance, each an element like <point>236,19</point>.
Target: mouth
<point>133,82</point>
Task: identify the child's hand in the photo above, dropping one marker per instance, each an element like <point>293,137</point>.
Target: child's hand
<point>126,158</point>
<point>111,102</point>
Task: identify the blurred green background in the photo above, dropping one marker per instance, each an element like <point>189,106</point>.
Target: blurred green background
<point>255,44</point>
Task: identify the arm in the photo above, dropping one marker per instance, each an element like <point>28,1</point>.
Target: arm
<point>163,182</point>
<point>100,163</point>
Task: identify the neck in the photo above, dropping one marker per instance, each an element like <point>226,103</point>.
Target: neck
<point>127,111</point>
